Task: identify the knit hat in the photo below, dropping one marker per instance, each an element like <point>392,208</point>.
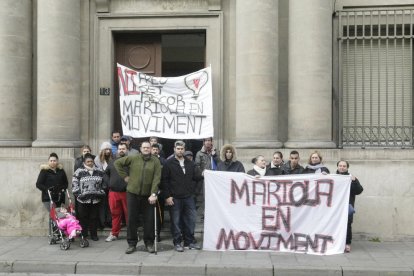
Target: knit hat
<point>126,138</point>
<point>105,145</point>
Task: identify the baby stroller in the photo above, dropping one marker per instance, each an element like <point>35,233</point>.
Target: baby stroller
<point>56,231</point>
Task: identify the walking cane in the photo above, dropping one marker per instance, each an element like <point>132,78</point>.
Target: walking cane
<point>155,224</point>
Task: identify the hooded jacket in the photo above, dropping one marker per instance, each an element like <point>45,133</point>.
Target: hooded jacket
<point>229,165</point>
<point>56,181</point>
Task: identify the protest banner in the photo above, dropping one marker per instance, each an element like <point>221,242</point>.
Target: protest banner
<point>293,213</point>
<point>175,108</point>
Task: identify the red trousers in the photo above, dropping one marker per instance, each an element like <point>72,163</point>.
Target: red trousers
<point>118,206</point>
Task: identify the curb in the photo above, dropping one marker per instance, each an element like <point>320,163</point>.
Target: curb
<point>44,267</point>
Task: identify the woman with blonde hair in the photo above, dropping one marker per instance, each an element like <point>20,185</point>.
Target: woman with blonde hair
<point>105,155</point>
<point>315,164</point>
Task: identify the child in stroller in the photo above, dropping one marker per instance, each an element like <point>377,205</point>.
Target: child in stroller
<point>68,223</point>
<point>64,226</point>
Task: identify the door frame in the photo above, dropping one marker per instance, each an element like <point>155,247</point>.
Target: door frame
<point>103,66</point>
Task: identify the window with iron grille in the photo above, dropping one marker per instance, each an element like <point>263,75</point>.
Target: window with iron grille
<point>375,78</point>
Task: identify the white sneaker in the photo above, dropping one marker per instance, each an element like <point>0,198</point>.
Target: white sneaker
<point>111,238</point>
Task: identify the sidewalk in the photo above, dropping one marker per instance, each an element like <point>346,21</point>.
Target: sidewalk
<point>35,255</point>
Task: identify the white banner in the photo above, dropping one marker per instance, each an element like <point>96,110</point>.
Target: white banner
<point>175,108</point>
<point>294,213</point>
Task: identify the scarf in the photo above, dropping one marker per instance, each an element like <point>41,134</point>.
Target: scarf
<point>89,169</point>
<point>261,171</point>
<point>317,168</point>
<point>272,165</point>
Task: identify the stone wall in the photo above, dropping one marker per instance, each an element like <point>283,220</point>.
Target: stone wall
<point>21,209</point>
<point>383,210</point>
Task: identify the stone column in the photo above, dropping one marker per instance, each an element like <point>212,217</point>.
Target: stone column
<point>16,72</point>
<point>257,74</point>
<point>58,73</point>
<point>310,74</point>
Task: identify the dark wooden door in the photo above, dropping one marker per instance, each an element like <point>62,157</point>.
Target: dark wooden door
<point>141,52</point>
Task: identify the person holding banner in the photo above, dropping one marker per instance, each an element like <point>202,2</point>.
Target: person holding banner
<point>229,160</point>
<point>276,166</point>
<point>179,176</point>
<point>356,189</point>
<point>315,164</point>
<point>259,168</point>
<point>293,166</point>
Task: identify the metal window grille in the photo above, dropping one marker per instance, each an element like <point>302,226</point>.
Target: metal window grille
<point>375,78</point>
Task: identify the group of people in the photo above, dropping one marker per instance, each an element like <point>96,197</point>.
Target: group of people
<point>131,183</point>
<point>278,167</point>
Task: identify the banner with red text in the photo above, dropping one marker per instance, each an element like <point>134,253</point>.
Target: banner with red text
<point>175,107</point>
<point>294,213</point>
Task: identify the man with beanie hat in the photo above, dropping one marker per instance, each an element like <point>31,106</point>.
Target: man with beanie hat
<point>127,141</point>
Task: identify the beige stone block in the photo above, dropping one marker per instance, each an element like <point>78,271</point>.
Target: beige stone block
<point>374,216</point>
<point>403,209</point>
<point>376,179</point>
<point>121,6</point>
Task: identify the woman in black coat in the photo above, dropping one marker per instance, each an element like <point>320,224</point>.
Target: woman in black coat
<point>276,165</point>
<point>52,177</point>
<point>259,167</point>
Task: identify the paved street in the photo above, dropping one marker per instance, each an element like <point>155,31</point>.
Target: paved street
<point>23,255</point>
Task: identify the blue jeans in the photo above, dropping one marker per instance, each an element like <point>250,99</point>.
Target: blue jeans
<point>183,211</point>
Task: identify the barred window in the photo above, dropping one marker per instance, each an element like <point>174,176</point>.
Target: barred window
<point>375,76</point>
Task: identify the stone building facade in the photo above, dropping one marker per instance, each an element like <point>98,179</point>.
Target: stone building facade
<point>304,75</point>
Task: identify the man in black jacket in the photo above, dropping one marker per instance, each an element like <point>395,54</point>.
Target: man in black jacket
<point>292,166</point>
<point>117,195</point>
<point>356,189</point>
<point>179,176</point>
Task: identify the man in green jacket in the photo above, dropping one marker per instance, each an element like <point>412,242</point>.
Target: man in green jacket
<point>142,173</point>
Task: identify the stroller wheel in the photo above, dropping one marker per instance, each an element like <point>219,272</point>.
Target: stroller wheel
<point>84,243</point>
<point>65,245</point>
